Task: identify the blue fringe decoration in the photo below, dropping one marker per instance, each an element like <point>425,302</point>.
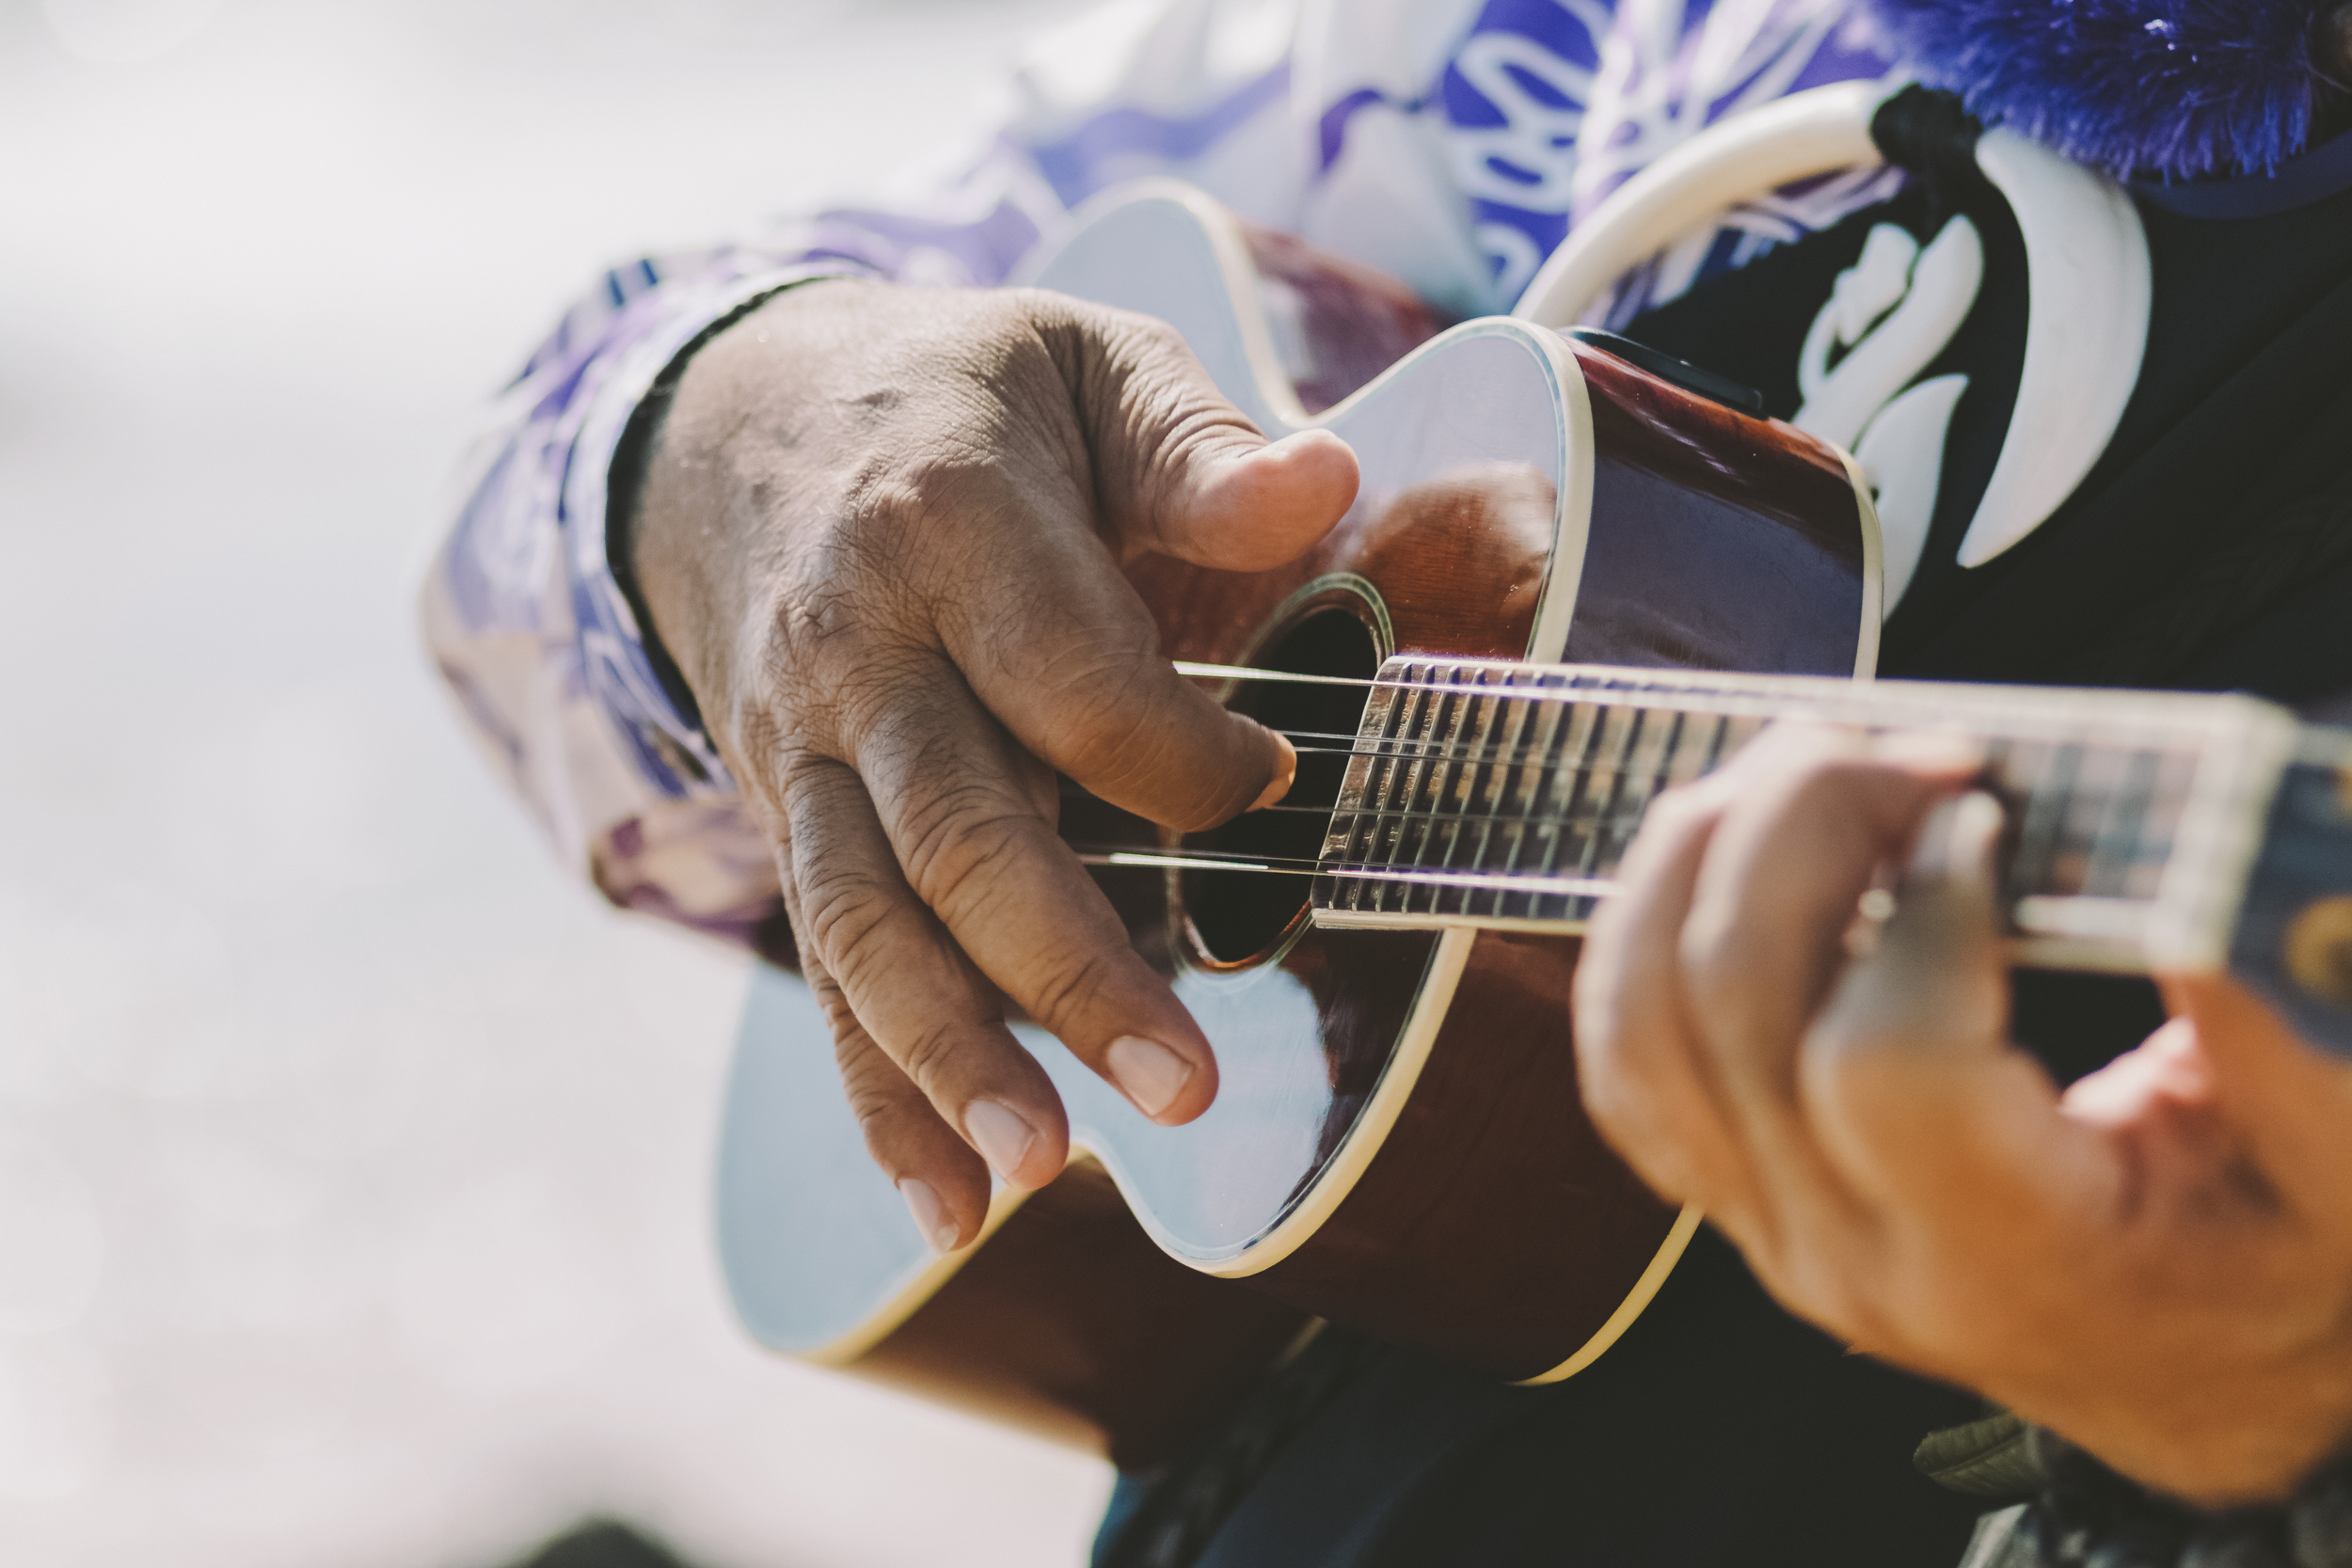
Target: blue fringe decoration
<point>2173,88</point>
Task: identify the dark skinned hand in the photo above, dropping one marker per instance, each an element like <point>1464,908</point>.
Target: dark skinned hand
<point>880,534</point>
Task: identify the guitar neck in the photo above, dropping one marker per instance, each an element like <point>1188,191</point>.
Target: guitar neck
<point>1501,795</point>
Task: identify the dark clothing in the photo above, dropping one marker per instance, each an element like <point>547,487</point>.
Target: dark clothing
<point>1719,1432</point>
<point>2211,548</point>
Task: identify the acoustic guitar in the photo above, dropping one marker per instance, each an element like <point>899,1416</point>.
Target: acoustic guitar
<point>1522,632</point>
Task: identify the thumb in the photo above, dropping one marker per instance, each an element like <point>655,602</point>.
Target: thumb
<point>1178,470</point>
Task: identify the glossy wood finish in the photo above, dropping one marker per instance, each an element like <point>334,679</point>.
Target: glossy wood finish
<point>1447,1194</point>
<point>1342,323</point>
<point>1718,542</point>
<point>1072,1326</point>
<point>1067,1320</point>
<point>1494,1229</point>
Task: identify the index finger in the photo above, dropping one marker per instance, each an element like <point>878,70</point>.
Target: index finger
<point>1815,814</point>
<point>969,836</point>
<point>1068,659</point>
<point>1647,1085</point>
<point>1911,1087</point>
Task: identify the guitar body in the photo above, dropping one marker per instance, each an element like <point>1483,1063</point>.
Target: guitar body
<point>1397,1142</point>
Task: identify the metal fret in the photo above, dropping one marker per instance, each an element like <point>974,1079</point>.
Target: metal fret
<point>1502,795</point>
<point>2083,816</point>
<point>1646,776</point>
<point>1418,819</point>
<point>1529,779</point>
<point>2174,776</point>
<point>1346,843</point>
<point>1476,722</point>
<point>1404,774</point>
<point>1571,781</point>
<point>1510,724</point>
<point>2048,776</point>
<point>2116,849</point>
<point>1613,739</point>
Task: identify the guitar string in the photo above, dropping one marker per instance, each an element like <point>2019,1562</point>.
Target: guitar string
<point>1576,830</point>
<point>1293,865</point>
<point>1728,704</point>
<point>1621,690</point>
<point>1405,748</point>
<point>2057,724</point>
<point>1592,828</point>
<point>1071,790</point>
<point>1123,857</point>
<point>1634,686</point>
<point>1598,824</point>
<point>1113,856</point>
<point>1398,748</point>
<point>2008,714</point>
<point>1517,756</point>
<point>1593,773</point>
<point>1626,693</point>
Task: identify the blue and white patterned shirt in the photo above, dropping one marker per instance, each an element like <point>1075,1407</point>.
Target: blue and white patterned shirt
<point>1450,143</point>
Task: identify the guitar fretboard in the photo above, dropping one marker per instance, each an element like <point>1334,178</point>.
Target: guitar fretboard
<point>1504,795</point>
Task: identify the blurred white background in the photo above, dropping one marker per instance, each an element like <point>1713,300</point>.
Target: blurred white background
<point>353,1162</point>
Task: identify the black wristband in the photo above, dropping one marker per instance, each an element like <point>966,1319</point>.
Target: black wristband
<point>624,495</point>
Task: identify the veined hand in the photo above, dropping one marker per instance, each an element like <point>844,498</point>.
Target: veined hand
<point>880,534</point>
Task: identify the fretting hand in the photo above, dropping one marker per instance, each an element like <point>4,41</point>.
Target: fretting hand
<point>880,534</point>
<point>2155,1262</point>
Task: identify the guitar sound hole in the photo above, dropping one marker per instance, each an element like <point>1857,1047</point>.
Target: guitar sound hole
<point>1237,915</point>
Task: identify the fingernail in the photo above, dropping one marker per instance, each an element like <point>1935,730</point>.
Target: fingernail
<point>930,1215</point>
<point>1931,750</point>
<point>1977,828</point>
<point>1284,776</point>
<point>1001,1133</point>
<point>1958,839</point>
<point>1146,1073</point>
